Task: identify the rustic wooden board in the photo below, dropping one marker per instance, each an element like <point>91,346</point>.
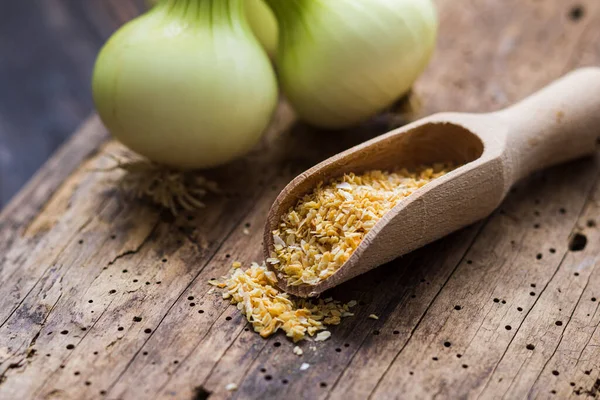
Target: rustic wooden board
<point>104,297</point>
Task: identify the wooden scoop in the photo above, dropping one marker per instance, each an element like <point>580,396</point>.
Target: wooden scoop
<point>559,123</point>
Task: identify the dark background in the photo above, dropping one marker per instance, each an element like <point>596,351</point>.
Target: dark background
<point>47,53</point>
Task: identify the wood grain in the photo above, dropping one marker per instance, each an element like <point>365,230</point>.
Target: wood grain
<point>105,297</point>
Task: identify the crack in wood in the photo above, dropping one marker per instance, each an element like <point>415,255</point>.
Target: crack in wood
<point>562,334</point>
<point>25,297</point>
<point>479,230</point>
<point>14,365</point>
<point>236,226</point>
<point>30,352</point>
<point>595,389</point>
<point>491,375</point>
<point>138,247</point>
<point>580,216</point>
<point>481,92</point>
<point>50,375</point>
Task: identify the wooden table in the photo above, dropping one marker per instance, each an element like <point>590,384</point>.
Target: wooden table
<point>104,297</point>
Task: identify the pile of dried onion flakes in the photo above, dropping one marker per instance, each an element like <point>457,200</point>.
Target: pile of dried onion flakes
<point>318,235</point>
<point>268,309</point>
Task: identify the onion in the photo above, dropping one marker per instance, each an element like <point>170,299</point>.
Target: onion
<point>187,84</point>
<point>342,61</point>
<point>262,21</point>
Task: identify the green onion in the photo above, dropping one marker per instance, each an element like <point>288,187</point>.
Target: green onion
<point>342,61</point>
<point>262,21</point>
<point>187,84</point>
<point>263,24</point>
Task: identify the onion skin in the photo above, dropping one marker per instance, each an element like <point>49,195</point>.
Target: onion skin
<point>341,62</point>
<point>263,24</point>
<point>185,92</point>
<point>261,20</point>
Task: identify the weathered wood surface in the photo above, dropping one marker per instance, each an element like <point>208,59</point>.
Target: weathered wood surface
<point>103,297</point>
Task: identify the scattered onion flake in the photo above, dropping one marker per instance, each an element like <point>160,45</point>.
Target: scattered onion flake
<point>268,309</point>
<point>231,387</point>
<point>323,336</point>
<point>320,233</point>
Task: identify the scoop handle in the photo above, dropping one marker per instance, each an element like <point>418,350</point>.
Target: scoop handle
<point>559,123</point>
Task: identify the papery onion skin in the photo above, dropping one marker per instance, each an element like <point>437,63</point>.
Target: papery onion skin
<point>184,92</point>
<point>341,62</point>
